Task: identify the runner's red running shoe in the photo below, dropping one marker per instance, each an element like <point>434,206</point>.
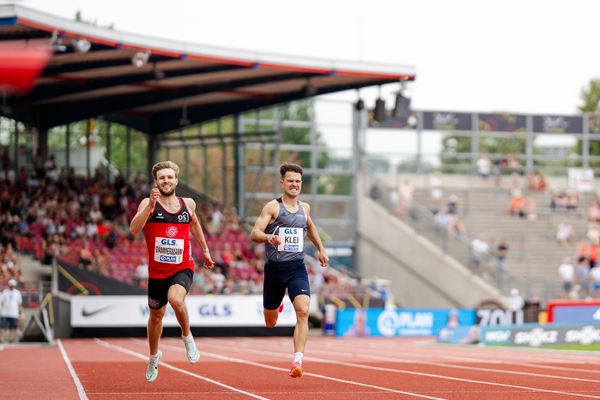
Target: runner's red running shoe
<point>296,371</point>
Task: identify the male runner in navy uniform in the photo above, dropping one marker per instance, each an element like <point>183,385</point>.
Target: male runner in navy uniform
<point>167,221</point>
<point>283,225</point>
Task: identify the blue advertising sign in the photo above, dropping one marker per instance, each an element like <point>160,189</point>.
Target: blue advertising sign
<point>399,322</point>
<point>577,314</point>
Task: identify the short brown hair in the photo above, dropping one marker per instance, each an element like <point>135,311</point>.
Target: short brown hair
<point>289,167</point>
<point>164,165</point>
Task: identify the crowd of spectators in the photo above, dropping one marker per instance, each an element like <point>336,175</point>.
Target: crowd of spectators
<point>54,214</point>
<point>489,255</point>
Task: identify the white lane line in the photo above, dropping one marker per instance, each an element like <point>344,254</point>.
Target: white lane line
<point>524,364</point>
<point>183,371</point>
<point>80,389</point>
<point>256,364</point>
<point>187,394</point>
<point>445,355</point>
<point>402,358</point>
<point>350,364</point>
<point>502,371</point>
<point>481,357</point>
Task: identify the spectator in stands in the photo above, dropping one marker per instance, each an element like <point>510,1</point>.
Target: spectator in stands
<point>589,251</point>
<point>595,282</point>
<point>436,192</point>
<point>480,252</point>
<point>12,307</point>
<point>536,181</point>
<point>542,184</point>
<point>453,205</point>
<point>500,165</point>
<point>593,212</point>
<point>218,280</point>
<point>501,254</point>
<point>283,225</point>
<point>404,201</point>
<point>593,233</point>
<point>564,233</point>
<point>86,257</point>
<point>102,262</point>
<point>566,271</point>
<point>51,168</point>
<point>515,301</point>
<point>168,221</point>
<point>141,274</point>
<point>572,200</point>
<point>582,276</point>
<point>484,166</point>
<point>215,220</point>
<point>519,205</point>
<point>514,166</point>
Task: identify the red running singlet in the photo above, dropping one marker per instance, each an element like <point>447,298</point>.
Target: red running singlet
<point>168,240</point>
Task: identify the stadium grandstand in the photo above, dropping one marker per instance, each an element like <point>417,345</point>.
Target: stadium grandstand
<point>77,147</point>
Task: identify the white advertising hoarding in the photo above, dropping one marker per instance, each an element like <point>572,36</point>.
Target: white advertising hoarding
<point>204,311</point>
<point>581,179</point>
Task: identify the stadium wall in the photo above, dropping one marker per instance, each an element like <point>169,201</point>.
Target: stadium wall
<point>421,274</point>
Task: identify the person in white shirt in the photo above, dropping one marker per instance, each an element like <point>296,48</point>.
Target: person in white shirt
<point>11,309</point>
<point>484,167</point>
<point>595,284</point>
<point>515,302</point>
<point>566,270</point>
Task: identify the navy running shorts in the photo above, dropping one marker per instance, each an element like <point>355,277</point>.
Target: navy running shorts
<point>9,323</point>
<point>290,275</point>
<point>158,289</point>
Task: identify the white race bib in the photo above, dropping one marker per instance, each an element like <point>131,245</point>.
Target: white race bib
<point>292,240</point>
<point>168,250</point>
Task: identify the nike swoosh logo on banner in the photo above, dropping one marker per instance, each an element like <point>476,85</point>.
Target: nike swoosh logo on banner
<point>86,313</point>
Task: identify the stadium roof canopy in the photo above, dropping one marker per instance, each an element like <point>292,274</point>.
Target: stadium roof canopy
<point>92,73</point>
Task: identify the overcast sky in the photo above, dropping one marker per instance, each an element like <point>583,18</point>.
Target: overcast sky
<point>525,56</point>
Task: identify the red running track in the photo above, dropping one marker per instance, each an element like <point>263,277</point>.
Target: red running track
<point>335,368</point>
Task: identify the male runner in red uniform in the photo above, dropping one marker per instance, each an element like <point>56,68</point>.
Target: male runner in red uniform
<point>167,221</point>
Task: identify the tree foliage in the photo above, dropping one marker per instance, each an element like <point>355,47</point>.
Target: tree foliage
<point>590,98</point>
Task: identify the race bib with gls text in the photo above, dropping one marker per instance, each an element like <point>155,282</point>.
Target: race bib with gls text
<point>292,240</point>
<point>168,250</point>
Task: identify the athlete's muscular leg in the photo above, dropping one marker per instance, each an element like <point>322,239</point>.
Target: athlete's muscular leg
<point>176,298</point>
<point>270,317</point>
<point>155,328</point>
<point>301,303</point>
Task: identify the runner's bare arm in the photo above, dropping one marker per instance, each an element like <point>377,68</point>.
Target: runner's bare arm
<point>139,220</point>
<point>267,215</point>
<point>313,236</point>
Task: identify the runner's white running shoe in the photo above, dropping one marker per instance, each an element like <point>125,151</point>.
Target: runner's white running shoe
<point>191,351</point>
<point>152,370</point>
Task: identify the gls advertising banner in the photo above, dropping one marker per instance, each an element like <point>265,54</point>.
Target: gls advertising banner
<point>205,311</point>
<point>398,322</point>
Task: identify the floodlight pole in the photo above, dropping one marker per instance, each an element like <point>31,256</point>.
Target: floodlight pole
<point>585,142</point>
<point>239,175</point>
<point>358,132</point>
